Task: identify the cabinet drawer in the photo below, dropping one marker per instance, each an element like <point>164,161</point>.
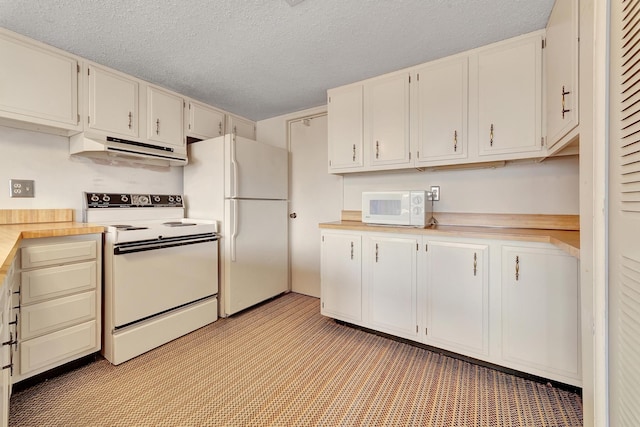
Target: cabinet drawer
<point>47,350</point>
<point>53,282</point>
<point>49,316</point>
<point>40,256</point>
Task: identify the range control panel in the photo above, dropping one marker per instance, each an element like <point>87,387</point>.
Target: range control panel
<point>117,200</point>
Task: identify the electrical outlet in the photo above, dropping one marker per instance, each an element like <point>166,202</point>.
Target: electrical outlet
<point>21,188</point>
<point>435,193</point>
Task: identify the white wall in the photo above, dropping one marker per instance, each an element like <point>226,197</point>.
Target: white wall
<point>60,179</point>
<point>550,187</point>
<point>274,130</point>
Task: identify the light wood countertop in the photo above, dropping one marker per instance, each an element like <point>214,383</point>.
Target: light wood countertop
<point>11,234</point>
<point>567,240</point>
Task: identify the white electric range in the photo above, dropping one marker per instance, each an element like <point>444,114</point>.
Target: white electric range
<point>160,271</point>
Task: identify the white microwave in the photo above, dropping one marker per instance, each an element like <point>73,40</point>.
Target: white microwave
<point>408,208</point>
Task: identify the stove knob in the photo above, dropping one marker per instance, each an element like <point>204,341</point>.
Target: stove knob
<point>124,198</point>
<point>143,200</point>
<point>94,198</point>
<point>105,198</point>
<point>178,199</point>
<point>171,199</point>
<point>156,199</point>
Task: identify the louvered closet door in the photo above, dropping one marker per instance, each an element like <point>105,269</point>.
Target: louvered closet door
<point>624,215</point>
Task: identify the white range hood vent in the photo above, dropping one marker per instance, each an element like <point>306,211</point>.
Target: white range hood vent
<point>111,148</point>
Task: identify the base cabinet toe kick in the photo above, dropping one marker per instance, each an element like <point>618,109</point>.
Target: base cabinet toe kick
<point>513,304</point>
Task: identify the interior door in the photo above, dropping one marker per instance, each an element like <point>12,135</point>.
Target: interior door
<point>315,197</point>
<point>624,216</point>
<point>255,170</point>
<point>256,261</point>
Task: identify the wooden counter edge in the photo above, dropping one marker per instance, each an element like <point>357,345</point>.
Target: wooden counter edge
<point>567,240</point>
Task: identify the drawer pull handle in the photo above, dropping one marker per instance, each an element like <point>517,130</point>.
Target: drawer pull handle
<point>475,263</point>
<point>376,252</point>
<point>130,119</point>
<point>491,136</point>
<point>517,267</point>
<point>354,152</point>
<point>564,110</point>
<point>455,140</point>
<point>352,250</point>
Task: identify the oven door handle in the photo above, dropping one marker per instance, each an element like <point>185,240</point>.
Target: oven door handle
<point>124,248</point>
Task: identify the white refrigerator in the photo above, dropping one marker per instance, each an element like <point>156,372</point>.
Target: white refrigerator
<point>242,184</point>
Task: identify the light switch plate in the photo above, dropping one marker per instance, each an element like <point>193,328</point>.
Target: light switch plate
<point>435,193</point>
<point>21,188</point>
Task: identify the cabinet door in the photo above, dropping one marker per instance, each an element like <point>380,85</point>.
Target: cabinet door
<point>341,273</point>
<point>561,66</point>
<point>5,356</point>
<point>37,84</point>
<point>164,117</point>
<point>387,120</point>
<point>392,285</point>
<point>509,78</point>
<point>540,322</point>
<point>457,307</point>
<point>241,127</point>
<point>204,122</point>
<point>112,102</point>
<point>442,103</point>
<point>345,128</point>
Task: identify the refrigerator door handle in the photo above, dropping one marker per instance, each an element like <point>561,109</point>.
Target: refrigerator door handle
<point>234,228</point>
<point>234,166</point>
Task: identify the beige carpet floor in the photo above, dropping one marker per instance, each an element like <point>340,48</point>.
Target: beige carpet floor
<point>283,364</point>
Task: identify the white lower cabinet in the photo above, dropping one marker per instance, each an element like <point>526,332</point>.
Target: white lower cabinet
<point>59,304</point>
<point>390,267</point>
<point>513,304</point>
<point>540,317</point>
<point>457,297</point>
<point>341,276</point>
<point>7,335</point>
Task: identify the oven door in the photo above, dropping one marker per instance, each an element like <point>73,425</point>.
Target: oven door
<point>152,277</point>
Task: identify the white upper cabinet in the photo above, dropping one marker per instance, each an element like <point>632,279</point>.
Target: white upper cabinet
<point>386,121</point>
<point>112,102</point>
<point>203,122</point>
<point>508,103</point>
<point>345,128</point>
<point>561,68</point>
<point>241,127</point>
<point>441,108</point>
<point>165,117</point>
<point>38,85</point>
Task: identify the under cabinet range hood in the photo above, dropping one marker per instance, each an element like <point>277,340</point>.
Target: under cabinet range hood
<point>109,148</point>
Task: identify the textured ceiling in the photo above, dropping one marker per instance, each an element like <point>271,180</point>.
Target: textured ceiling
<point>264,58</point>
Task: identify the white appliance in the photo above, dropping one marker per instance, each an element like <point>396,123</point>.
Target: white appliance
<point>243,184</point>
<point>160,271</point>
<point>408,208</point>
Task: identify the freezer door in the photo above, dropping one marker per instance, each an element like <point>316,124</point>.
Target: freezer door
<point>256,260</point>
<point>255,170</point>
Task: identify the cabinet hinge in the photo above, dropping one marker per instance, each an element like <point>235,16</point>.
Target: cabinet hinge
<point>88,71</point>
<point>78,67</point>
<point>322,304</point>
<point>189,106</point>
<point>542,141</point>
<point>409,78</point>
<point>189,125</point>
<point>426,331</point>
<point>323,238</point>
<point>544,43</point>
<point>78,118</point>
<point>416,329</point>
<point>88,120</point>
<point>417,246</point>
<point>418,77</point>
<point>329,162</point>
<point>329,99</point>
<point>426,247</point>
<point>409,155</point>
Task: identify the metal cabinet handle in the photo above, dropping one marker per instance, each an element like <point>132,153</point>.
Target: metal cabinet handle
<point>235,130</point>
<point>475,263</point>
<point>377,149</point>
<point>455,140</point>
<point>491,136</point>
<point>354,152</point>
<point>158,127</point>
<point>130,119</point>
<point>517,268</point>
<point>352,250</point>
<point>376,252</point>
<point>564,110</point>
